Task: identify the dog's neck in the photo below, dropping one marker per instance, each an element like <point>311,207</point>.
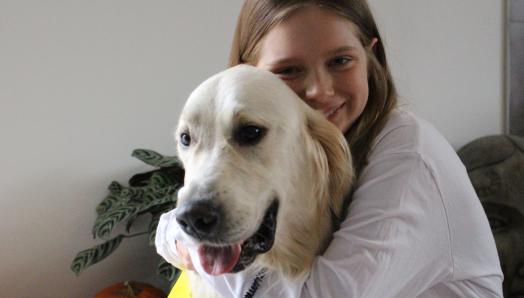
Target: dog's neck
<point>307,221</point>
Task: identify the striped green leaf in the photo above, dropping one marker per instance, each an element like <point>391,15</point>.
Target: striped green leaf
<point>130,221</point>
<point>106,223</point>
<point>160,180</point>
<point>115,188</point>
<point>167,271</point>
<point>154,199</point>
<point>132,193</point>
<point>108,203</point>
<point>155,159</point>
<point>152,228</point>
<point>94,254</point>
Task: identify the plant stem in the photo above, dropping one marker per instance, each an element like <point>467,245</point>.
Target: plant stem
<point>135,235</point>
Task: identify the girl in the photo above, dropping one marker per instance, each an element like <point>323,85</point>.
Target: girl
<point>415,227</point>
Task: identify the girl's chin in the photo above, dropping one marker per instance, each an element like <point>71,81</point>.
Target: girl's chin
<point>341,120</point>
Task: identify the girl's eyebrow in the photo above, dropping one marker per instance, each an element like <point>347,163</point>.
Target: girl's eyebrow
<point>283,61</point>
<point>342,49</point>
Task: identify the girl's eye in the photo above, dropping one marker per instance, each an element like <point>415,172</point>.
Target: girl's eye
<point>339,61</point>
<point>288,72</point>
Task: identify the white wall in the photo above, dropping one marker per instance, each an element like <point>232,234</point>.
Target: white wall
<point>447,59</point>
<point>82,83</point>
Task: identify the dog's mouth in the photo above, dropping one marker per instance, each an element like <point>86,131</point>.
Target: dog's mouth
<point>216,260</point>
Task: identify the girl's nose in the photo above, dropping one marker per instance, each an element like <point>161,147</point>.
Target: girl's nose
<point>318,89</point>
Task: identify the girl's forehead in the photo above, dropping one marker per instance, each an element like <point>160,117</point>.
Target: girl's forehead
<point>310,30</point>
<point>313,19</point>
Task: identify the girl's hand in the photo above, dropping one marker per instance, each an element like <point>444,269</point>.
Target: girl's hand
<point>184,255</point>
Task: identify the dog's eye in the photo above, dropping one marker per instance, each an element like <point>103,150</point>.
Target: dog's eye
<point>249,135</point>
<point>185,139</point>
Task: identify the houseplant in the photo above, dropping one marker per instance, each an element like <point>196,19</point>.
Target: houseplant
<point>149,194</point>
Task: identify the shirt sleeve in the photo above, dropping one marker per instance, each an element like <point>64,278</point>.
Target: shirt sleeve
<point>167,232</point>
<point>395,241</point>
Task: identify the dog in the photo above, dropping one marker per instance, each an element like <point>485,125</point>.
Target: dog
<point>266,176</point>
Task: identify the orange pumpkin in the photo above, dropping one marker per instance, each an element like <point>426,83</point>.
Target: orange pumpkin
<point>130,289</point>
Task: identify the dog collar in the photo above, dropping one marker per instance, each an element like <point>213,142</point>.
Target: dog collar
<point>255,284</point>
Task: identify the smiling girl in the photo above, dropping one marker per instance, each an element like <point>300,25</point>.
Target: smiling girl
<point>415,227</point>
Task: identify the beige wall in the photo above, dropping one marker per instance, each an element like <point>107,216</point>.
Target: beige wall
<point>447,59</point>
<point>82,83</point>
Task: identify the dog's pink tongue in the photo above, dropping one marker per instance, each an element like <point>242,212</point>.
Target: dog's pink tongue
<point>219,260</point>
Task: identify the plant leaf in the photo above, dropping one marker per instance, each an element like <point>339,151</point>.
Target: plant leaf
<point>160,180</point>
<point>141,179</point>
<point>94,254</point>
<point>115,188</point>
<point>108,203</point>
<point>106,223</point>
<point>130,221</point>
<point>160,198</point>
<point>155,159</point>
<point>152,228</point>
<point>132,193</point>
<point>167,271</point>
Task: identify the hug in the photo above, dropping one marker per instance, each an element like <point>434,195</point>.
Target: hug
<point>305,179</point>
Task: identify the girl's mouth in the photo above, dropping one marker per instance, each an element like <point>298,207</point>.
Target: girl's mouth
<point>331,115</point>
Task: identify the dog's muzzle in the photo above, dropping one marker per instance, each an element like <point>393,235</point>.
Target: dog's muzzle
<point>203,220</point>
<point>200,219</point>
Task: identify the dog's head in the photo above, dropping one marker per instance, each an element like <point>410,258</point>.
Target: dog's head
<point>264,174</point>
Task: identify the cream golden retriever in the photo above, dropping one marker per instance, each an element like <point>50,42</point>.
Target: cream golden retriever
<point>266,175</point>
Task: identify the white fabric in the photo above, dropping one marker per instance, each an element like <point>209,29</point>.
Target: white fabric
<point>415,228</point>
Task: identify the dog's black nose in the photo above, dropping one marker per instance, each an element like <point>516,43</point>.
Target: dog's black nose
<point>200,219</point>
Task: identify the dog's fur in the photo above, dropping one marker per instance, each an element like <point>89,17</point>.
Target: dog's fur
<point>303,161</point>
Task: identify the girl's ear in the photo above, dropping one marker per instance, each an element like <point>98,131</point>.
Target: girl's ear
<point>372,44</point>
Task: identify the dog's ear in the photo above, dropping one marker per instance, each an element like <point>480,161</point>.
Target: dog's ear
<point>332,161</point>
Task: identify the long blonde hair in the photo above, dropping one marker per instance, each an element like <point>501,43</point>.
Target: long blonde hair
<point>258,17</point>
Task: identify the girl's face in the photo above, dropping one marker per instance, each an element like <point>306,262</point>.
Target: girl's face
<point>317,53</point>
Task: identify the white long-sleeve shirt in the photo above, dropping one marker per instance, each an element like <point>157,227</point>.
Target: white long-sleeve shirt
<point>415,228</point>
